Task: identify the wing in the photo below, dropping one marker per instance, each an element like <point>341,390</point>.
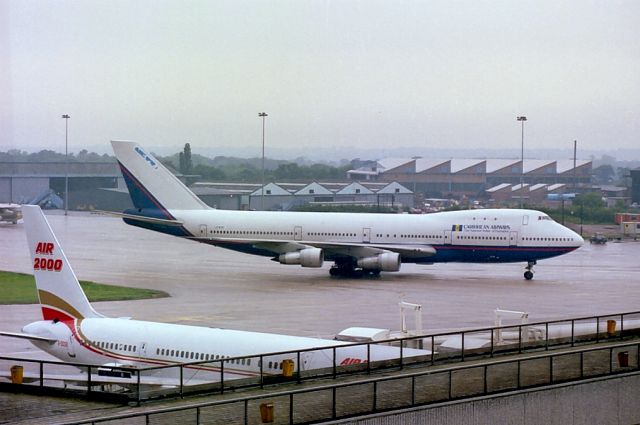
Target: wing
<point>340,249</point>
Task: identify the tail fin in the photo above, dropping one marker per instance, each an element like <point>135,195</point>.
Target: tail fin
<point>59,291</point>
<point>151,185</point>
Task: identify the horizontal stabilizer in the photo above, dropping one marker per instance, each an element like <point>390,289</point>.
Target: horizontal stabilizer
<point>143,218</point>
<point>28,336</point>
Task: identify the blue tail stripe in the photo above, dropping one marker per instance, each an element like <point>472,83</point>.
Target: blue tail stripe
<point>140,196</point>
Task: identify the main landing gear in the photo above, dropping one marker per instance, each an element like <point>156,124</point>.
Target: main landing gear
<point>348,268</point>
<point>528,274</point>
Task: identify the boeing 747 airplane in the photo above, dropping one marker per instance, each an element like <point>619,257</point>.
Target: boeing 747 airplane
<point>73,331</point>
<point>356,243</point>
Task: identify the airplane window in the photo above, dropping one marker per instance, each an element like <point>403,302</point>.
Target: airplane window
<point>182,354</point>
<point>248,362</point>
<point>270,363</point>
<point>157,351</point>
<point>243,360</point>
<point>191,355</point>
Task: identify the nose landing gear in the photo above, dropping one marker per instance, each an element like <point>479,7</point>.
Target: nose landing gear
<point>528,274</point>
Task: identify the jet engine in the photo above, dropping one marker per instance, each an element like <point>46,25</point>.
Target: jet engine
<point>386,262</point>
<point>308,257</point>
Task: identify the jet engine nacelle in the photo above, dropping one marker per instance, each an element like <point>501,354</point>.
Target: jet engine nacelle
<point>386,262</point>
<point>309,257</point>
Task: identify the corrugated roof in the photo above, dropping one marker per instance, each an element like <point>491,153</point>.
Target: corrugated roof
<point>391,188</point>
<point>537,186</point>
<point>494,165</point>
<point>462,164</point>
<point>351,189</point>
<point>423,164</point>
<point>501,186</point>
<point>564,165</point>
<point>518,186</point>
<point>314,189</point>
<point>387,164</point>
<point>534,164</point>
<point>274,190</point>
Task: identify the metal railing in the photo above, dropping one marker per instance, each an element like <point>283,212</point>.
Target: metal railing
<point>524,338</point>
<point>592,362</point>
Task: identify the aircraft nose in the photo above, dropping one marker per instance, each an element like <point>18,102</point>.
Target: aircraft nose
<point>576,238</point>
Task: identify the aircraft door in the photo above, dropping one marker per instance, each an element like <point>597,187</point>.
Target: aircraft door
<point>513,238</point>
<point>366,234</point>
<point>143,350</point>
<point>447,237</point>
<point>71,350</point>
<point>203,230</point>
<point>297,233</point>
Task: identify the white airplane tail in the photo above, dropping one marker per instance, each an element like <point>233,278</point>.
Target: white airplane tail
<point>152,187</point>
<point>59,291</point>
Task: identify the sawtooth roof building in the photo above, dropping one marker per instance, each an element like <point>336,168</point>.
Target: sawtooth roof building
<point>473,177</point>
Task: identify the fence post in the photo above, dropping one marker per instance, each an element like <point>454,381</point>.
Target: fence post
<point>375,395</point>
<point>181,380</point>
<point>368,359</point>
<point>597,329</point>
<point>519,339</point>
<point>261,371</point>
<point>546,336</point>
<point>89,380</point>
<point>573,332</point>
<point>138,395</point>
<point>291,408</point>
<point>221,375</point>
<point>299,378</point>
<point>462,354</point>
<point>492,341</point>
<point>485,369</point>
<point>334,362</point>
<point>41,374</point>
<point>413,390</point>
<point>333,402</point>
<point>433,350</point>
<point>621,326</point>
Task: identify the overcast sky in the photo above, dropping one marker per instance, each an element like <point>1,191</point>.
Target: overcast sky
<point>348,76</point>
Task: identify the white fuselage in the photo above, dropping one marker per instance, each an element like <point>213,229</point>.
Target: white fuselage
<point>120,342</point>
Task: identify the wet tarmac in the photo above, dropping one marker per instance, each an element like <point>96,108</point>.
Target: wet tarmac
<point>215,287</point>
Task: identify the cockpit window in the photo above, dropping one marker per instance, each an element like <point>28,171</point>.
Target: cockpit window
<point>544,217</point>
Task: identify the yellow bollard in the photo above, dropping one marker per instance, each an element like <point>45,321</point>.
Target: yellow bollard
<point>611,327</point>
<point>266,413</point>
<point>623,358</point>
<point>16,374</point>
<point>287,368</point>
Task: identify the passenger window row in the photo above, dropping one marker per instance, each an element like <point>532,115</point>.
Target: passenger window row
<point>115,346</point>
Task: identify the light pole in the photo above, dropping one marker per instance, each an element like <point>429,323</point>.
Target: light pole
<point>66,162</point>
<point>522,119</point>
<point>263,115</point>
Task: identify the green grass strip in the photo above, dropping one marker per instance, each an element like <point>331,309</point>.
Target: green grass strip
<point>20,288</point>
